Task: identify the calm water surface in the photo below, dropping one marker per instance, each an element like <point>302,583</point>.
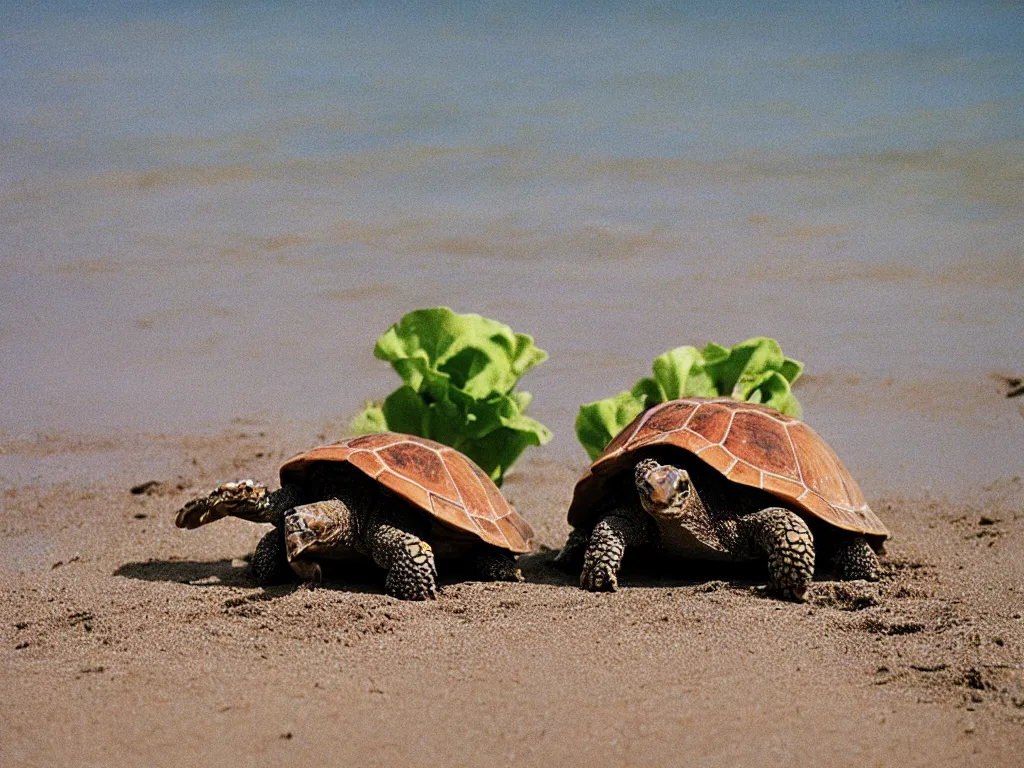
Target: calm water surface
<point>212,210</point>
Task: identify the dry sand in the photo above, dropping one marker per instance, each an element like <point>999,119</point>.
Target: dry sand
<point>124,641</point>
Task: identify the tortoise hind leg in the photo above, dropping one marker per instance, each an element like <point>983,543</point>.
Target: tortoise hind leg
<point>493,564</point>
<point>855,559</point>
<point>408,559</point>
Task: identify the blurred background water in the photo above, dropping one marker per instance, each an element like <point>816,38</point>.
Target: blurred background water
<point>210,210</point>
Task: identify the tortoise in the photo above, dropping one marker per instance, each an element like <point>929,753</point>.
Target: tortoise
<point>719,479</point>
<point>398,500</point>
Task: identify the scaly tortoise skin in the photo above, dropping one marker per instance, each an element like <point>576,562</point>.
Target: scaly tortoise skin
<point>739,481</point>
<point>401,500</point>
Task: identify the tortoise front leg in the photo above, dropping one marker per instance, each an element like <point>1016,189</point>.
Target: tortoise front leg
<point>855,559</point>
<point>788,542</point>
<point>608,541</point>
<point>408,559</point>
<point>570,557</point>
<point>269,564</point>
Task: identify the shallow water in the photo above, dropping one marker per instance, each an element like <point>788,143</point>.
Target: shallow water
<point>212,212</point>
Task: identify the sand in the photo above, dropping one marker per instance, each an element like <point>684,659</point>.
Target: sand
<point>125,641</point>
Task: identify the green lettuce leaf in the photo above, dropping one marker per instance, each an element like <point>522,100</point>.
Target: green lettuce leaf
<point>680,372</point>
<point>598,422</point>
<point>460,372</point>
<point>754,370</point>
<point>370,419</point>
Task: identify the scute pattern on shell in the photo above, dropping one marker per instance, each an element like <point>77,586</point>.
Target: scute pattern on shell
<point>751,445</point>
<point>436,478</point>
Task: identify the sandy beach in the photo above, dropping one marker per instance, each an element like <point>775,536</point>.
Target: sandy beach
<point>126,641</point>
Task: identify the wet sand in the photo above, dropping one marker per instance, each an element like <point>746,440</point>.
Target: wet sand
<point>126,641</point>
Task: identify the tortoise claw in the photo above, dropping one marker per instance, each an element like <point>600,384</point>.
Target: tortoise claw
<point>600,577</point>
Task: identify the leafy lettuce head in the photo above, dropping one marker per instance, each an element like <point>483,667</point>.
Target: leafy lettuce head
<point>460,373</point>
<point>754,370</point>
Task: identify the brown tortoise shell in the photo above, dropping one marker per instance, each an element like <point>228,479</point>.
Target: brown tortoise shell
<point>751,445</point>
<point>434,477</point>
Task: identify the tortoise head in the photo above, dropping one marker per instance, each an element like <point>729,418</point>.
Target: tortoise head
<point>668,496</point>
<point>665,491</point>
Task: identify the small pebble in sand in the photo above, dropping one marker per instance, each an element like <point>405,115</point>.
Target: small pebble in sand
<point>149,488</point>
